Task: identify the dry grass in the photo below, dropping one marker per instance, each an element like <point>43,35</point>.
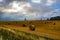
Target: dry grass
<point>13,34</point>
<point>43,28</point>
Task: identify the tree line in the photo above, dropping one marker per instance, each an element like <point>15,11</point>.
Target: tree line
<point>55,18</point>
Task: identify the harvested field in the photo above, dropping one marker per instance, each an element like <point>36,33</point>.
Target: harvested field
<point>44,29</point>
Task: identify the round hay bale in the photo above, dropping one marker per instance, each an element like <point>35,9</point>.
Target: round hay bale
<point>24,25</point>
<point>45,22</point>
<point>8,23</point>
<point>54,24</point>
<point>32,27</point>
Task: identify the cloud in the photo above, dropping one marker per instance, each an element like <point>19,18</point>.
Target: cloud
<point>56,12</point>
<point>53,13</point>
<point>20,9</point>
<point>50,2</point>
<point>57,1</point>
<point>1,0</point>
<point>36,1</point>
<point>16,7</point>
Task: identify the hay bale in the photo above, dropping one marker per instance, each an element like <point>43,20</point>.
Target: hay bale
<point>24,25</point>
<point>54,24</point>
<point>8,23</point>
<point>32,27</point>
<point>45,22</point>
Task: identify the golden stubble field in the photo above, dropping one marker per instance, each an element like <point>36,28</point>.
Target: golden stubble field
<point>50,29</point>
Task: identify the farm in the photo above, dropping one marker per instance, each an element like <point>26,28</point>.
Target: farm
<point>22,30</point>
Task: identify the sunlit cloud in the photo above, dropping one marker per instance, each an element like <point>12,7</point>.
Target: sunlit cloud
<point>36,1</point>
<point>50,2</point>
<point>16,7</point>
<point>1,0</point>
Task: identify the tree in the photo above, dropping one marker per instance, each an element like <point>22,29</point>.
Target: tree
<point>25,19</point>
<point>55,18</point>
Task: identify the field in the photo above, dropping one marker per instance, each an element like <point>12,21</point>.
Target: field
<point>44,30</point>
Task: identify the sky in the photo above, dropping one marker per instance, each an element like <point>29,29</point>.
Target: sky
<point>14,10</point>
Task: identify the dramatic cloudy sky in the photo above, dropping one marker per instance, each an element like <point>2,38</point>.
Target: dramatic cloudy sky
<point>29,9</point>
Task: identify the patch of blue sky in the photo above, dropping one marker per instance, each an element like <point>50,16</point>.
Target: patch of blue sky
<point>56,6</point>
